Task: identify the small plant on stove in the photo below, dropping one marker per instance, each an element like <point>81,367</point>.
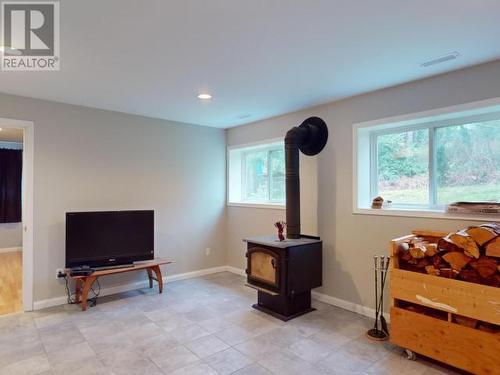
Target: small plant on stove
<point>281,227</point>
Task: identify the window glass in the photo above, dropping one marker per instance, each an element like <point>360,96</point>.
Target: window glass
<point>256,174</point>
<point>277,181</point>
<point>468,162</point>
<point>403,167</point>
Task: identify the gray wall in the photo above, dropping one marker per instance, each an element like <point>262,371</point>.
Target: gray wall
<point>11,235</point>
<point>89,159</point>
<point>350,241</point>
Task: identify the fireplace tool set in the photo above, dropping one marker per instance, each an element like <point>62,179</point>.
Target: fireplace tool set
<point>380,331</point>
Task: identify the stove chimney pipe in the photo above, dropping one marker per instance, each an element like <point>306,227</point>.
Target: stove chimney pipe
<point>310,138</point>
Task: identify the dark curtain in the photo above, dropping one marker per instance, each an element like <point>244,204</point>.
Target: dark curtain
<point>11,170</point>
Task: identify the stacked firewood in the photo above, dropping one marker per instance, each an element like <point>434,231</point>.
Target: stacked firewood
<point>472,255</point>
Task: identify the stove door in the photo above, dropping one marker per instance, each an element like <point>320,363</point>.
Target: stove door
<point>263,267</point>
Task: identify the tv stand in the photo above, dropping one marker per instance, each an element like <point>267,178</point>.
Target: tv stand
<point>84,283</point>
<point>104,268</point>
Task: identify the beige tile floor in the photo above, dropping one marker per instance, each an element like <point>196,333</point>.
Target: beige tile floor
<point>199,326</point>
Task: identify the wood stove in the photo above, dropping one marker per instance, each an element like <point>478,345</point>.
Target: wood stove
<point>284,274</point>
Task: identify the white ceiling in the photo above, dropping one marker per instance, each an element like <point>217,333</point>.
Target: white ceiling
<point>260,58</point>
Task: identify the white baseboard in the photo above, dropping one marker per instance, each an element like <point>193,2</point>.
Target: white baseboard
<point>235,270</point>
<point>10,249</point>
<point>346,305</point>
<point>189,275</point>
<point>334,301</point>
<point>343,304</point>
<point>56,301</point>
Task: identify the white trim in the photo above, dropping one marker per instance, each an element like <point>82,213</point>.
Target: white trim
<point>456,111</point>
<point>27,204</point>
<point>334,301</point>
<point>11,250</point>
<point>263,143</point>
<point>343,304</point>
<point>237,271</point>
<point>238,203</point>
<point>277,206</point>
<point>423,213</point>
<point>346,305</point>
<point>437,117</point>
<point>62,300</point>
<point>192,274</point>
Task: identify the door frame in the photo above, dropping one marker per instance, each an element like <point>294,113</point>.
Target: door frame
<point>27,204</point>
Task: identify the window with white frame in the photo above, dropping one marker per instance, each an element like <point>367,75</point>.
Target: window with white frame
<point>256,174</point>
<point>428,162</point>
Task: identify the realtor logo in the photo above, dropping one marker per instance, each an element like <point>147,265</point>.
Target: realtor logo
<point>30,35</point>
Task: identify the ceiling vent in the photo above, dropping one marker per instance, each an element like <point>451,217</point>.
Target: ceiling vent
<point>441,59</point>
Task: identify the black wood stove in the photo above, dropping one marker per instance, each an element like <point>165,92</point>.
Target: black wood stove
<point>284,272</point>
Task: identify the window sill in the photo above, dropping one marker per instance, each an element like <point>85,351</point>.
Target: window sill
<point>273,206</point>
<point>424,214</point>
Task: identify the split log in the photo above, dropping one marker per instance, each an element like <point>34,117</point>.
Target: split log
<point>417,252</point>
<point>470,275</point>
<point>431,250</point>
<point>493,281</point>
<point>405,256</point>
<point>495,227</point>
<point>485,266</point>
<point>431,270</point>
<point>449,273</point>
<point>465,321</point>
<point>422,263</point>
<point>481,234</point>
<point>492,248</point>
<point>466,243</point>
<point>438,262</point>
<point>456,260</point>
<point>421,250</point>
<point>444,244</point>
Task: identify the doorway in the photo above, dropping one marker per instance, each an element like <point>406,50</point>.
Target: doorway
<point>16,216</point>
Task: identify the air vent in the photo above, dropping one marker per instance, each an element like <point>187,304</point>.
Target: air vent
<point>441,59</point>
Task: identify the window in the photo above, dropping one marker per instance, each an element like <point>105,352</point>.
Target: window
<point>256,174</point>
<point>429,162</point>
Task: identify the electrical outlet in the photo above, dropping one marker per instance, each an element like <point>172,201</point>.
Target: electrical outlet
<point>60,273</point>
<point>207,251</point>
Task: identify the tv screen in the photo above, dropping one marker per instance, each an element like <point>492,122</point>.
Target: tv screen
<point>108,238</point>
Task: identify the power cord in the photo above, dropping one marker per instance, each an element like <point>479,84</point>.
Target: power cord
<point>92,301</point>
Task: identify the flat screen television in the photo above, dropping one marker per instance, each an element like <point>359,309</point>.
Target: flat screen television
<point>109,238</point>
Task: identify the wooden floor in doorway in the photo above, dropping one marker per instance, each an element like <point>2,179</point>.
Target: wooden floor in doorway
<point>11,276</point>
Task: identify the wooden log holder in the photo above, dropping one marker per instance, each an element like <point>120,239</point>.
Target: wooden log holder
<point>83,284</point>
<point>452,321</point>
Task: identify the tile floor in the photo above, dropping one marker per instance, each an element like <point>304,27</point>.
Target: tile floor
<point>199,326</point>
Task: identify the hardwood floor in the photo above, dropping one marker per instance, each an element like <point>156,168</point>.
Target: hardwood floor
<point>11,277</point>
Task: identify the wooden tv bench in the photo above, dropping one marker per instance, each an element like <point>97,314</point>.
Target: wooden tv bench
<point>84,283</point>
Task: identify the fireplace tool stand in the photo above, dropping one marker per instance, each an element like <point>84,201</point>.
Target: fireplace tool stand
<point>379,332</point>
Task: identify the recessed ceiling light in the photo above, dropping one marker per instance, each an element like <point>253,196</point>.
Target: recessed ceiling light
<point>441,59</point>
<point>204,96</point>
<point>1,129</point>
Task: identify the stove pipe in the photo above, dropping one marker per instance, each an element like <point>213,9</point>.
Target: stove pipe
<point>310,138</point>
